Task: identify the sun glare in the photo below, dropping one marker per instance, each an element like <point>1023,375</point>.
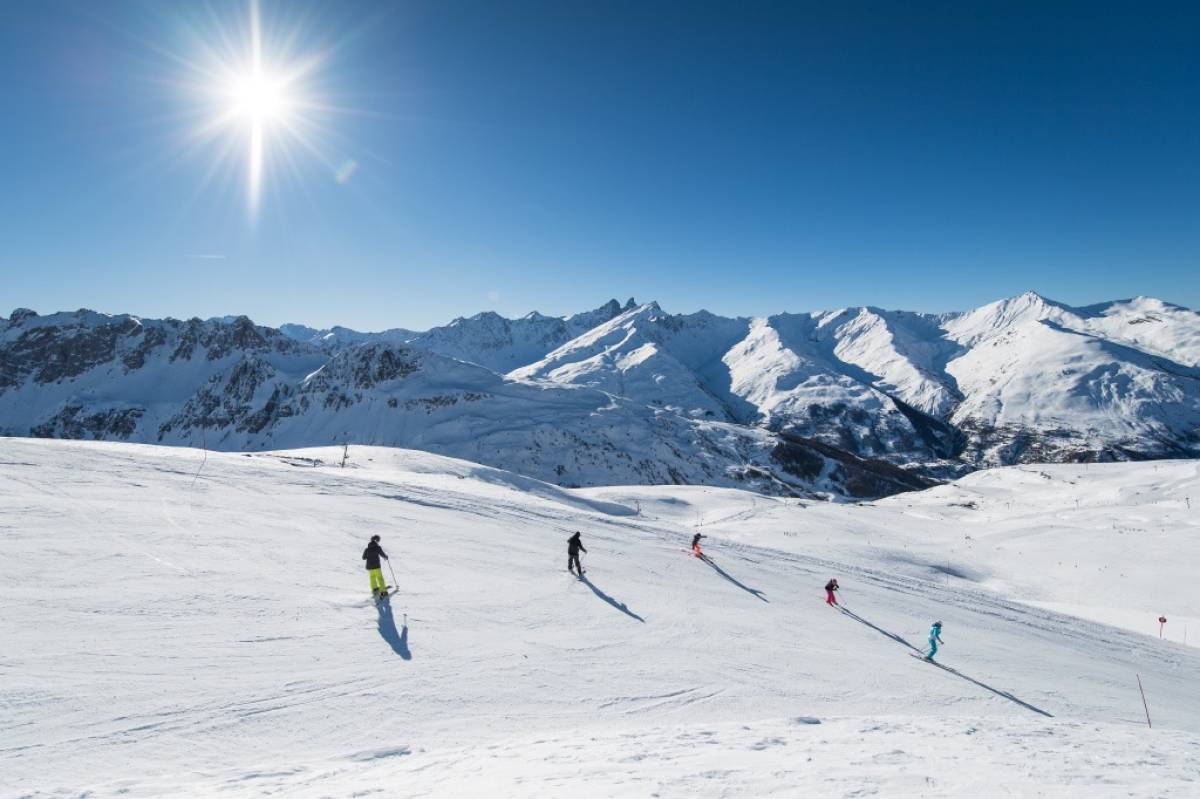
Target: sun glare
<point>258,98</point>
<point>255,92</point>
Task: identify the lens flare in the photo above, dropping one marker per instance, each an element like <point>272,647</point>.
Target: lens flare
<point>346,171</point>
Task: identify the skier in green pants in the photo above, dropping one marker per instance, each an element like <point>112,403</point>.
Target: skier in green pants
<point>371,555</point>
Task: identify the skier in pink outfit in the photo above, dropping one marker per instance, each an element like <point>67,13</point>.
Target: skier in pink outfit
<point>830,587</point>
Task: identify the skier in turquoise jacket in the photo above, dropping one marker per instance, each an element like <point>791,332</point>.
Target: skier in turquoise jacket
<point>935,638</point>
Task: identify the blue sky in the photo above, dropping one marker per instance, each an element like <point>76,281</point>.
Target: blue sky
<point>747,158</point>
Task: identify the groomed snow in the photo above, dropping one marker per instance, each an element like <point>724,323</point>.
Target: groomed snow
<point>166,633</point>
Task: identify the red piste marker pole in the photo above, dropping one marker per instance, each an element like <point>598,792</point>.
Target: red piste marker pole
<point>1161,621</point>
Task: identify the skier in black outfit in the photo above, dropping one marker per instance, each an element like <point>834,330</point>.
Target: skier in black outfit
<point>371,555</point>
<point>696,545</point>
<point>574,547</point>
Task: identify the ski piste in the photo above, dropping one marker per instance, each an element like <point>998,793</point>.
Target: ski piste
<point>482,587</point>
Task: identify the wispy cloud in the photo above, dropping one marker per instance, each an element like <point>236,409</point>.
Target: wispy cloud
<point>206,256</point>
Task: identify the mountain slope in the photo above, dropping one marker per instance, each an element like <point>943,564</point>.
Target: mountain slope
<point>218,637</point>
<point>501,345</point>
<point>659,359</point>
<point>1039,384</point>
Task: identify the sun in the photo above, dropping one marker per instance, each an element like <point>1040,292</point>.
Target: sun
<point>260,103</point>
<point>259,99</point>
<point>256,109</point>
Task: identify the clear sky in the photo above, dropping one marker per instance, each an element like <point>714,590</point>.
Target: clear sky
<point>440,158</point>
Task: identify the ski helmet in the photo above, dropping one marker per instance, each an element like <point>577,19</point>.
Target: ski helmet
<point>375,538</point>
<point>937,624</point>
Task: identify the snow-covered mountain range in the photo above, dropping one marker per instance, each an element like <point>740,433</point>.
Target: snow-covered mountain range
<point>859,401</point>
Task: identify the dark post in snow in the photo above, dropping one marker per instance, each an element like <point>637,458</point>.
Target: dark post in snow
<point>1144,705</point>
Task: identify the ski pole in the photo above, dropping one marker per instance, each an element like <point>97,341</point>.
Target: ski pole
<point>395,582</point>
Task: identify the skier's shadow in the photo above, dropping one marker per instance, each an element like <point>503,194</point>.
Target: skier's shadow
<point>879,630</point>
<point>996,691</point>
<point>397,640</point>
<point>956,673</point>
<point>754,591</point>
<point>621,606</point>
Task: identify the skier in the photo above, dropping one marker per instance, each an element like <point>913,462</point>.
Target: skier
<point>574,547</point>
<point>830,587</point>
<point>371,555</point>
<point>935,638</point>
<point>696,545</point>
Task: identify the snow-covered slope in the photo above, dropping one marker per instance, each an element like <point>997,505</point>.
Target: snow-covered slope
<point>661,360</point>
<point>1040,382</point>
<point>182,624</point>
<point>503,344</point>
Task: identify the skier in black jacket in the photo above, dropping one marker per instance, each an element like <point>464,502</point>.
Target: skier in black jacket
<point>574,547</point>
<point>371,555</point>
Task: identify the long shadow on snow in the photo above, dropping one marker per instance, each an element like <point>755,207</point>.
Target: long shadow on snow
<point>757,594</point>
<point>398,641</point>
<point>879,630</point>
<point>996,691</point>
<point>955,672</point>
<point>621,606</point>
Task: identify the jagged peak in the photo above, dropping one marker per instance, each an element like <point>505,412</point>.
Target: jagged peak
<point>482,316</point>
<point>627,316</point>
<point>605,312</point>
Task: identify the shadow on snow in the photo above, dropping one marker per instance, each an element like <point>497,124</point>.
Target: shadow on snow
<point>621,606</point>
<point>757,594</point>
<point>879,630</point>
<point>920,653</point>
<point>397,640</point>
<point>996,691</point>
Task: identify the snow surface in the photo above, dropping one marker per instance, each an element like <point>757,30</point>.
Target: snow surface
<point>183,623</point>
